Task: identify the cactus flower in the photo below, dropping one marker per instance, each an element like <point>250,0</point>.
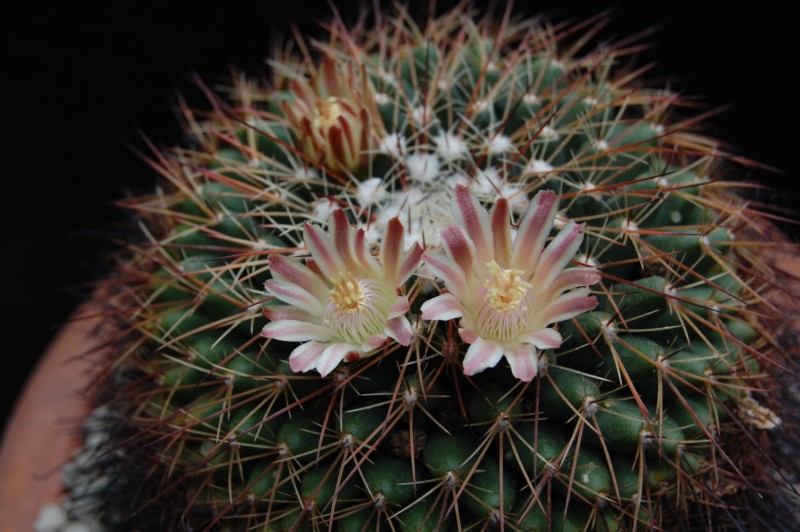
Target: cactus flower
<point>334,119</point>
<point>507,293</point>
<point>345,304</point>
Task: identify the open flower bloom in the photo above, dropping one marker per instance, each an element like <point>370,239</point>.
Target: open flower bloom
<point>344,304</point>
<point>506,293</point>
<point>334,118</point>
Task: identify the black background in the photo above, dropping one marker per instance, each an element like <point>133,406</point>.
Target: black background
<point>80,86</point>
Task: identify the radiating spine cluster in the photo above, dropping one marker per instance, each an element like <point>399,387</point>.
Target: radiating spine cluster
<point>442,278</point>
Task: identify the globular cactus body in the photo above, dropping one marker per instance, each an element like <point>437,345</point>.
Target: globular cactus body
<point>570,351</point>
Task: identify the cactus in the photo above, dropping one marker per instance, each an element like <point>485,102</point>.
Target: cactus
<point>461,276</point>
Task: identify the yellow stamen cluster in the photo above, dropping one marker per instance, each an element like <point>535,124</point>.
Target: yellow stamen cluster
<point>346,293</point>
<point>505,288</point>
<point>328,112</point>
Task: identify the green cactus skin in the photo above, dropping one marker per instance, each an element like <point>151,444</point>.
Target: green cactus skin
<point>629,422</point>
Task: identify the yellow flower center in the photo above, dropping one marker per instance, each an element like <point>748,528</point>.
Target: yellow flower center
<point>328,112</point>
<point>505,288</point>
<point>346,293</point>
<point>357,308</point>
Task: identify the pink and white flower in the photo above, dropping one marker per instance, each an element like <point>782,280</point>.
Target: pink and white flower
<point>508,293</point>
<point>345,303</point>
<point>335,117</point>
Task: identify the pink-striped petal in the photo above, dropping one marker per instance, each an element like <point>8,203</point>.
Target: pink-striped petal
<point>501,231</point>
<point>399,307</point>
<point>543,339</point>
<point>448,271</point>
<point>373,342</point>
<point>533,231</point>
<point>364,257</point>
<point>286,312</point>
<point>409,265</point>
<point>319,244</point>
<point>392,247</point>
<point>568,306</point>
<point>292,271</point>
<point>342,237</point>
<point>295,331</point>
<point>399,329</point>
<point>558,254</point>
<point>472,217</point>
<point>523,360</point>
<point>468,335</point>
<point>572,278</point>
<point>331,356</point>
<point>293,295</point>
<point>305,356</point>
<point>481,355</point>
<point>443,307</point>
<point>459,248</point>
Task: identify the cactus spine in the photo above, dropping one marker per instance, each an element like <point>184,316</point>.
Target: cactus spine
<point>573,349</point>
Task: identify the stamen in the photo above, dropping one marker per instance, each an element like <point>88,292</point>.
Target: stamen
<point>328,111</point>
<point>346,293</point>
<point>506,289</point>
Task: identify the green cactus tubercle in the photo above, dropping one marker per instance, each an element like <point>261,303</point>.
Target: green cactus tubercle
<point>450,277</point>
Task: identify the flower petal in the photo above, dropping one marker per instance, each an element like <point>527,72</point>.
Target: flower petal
<point>399,329</point>
<point>524,361</point>
<point>294,295</point>
<point>391,247</point>
<point>448,271</point>
<point>459,248</point>
<point>323,251</point>
<point>501,230</point>
<point>373,342</point>
<point>481,355</point>
<point>568,306</point>
<point>286,312</point>
<point>533,231</point>
<point>342,237</point>
<point>331,356</point>
<point>399,307</point>
<point>543,339</point>
<point>305,356</point>
<point>364,257</point>
<point>558,254</point>
<point>473,218</point>
<point>409,265</point>
<point>468,335</point>
<point>443,307</point>
<point>573,278</point>
<point>292,271</point>
<point>295,331</point>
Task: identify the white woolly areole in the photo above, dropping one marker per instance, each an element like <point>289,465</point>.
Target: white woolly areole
<point>393,145</point>
<point>539,166</point>
<point>323,209</point>
<point>305,174</point>
<point>530,98</point>
<point>548,133</point>
<point>370,191</point>
<point>381,98</point>
<point>600,145</point>
<point>449,147</point>
<point>421,115</point>
<point>422,167</point>
<point>499,144</point>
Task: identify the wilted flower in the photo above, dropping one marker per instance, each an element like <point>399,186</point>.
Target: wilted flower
<point>506,293</point>
<point>334,119</point>
<point>344,304</point>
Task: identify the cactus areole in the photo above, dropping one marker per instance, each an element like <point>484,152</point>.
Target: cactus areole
<point>462,276</point>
